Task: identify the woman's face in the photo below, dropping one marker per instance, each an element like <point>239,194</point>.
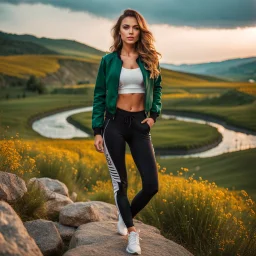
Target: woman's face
<point>129,28</point>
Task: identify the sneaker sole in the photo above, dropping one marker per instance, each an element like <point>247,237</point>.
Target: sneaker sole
<point>122,234</point>
<point>135,253</point>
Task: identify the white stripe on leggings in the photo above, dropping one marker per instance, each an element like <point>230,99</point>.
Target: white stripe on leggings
<point>112,168</point>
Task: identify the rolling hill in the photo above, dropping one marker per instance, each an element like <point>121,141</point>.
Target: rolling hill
<point>240,69</point>
<point>60,62</point>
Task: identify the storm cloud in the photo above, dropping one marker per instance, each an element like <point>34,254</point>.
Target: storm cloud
<point>191,13</point>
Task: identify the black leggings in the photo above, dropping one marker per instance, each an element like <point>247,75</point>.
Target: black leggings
<point>127,127</point>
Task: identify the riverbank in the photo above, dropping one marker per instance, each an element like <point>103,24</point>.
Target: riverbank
<point>181,151</point>
<point>211,118</point>
<point>43,114</point>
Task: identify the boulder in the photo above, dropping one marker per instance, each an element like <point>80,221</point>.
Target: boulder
<point>53,185</point>
<point>66,232</point>
<point>46,235</point>
<point>80,213</point>
<point>54,201</point>
<point>12,187</point>
<point>14,238</point>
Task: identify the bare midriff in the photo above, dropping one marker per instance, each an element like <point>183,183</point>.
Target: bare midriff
<point>131,101</point>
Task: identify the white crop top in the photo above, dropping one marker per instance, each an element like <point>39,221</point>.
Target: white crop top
<point>131,81</point>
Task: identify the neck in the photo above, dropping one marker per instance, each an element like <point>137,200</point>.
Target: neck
<point>128,50</point>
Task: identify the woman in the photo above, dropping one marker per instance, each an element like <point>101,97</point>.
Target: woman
<point>128,87</point>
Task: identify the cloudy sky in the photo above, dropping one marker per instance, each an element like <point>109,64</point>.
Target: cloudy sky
<point>186,31</point>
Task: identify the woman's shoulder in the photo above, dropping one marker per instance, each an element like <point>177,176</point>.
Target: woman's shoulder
<point>109,55</point>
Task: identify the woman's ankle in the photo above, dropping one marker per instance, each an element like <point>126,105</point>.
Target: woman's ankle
<point>130,229</point>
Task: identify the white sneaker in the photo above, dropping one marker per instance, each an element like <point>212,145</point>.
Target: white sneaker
<point>121,227</point>
<point>134,242</point>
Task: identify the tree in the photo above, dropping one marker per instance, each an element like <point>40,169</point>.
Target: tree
<point>35,85</point>
<point>32,83</point>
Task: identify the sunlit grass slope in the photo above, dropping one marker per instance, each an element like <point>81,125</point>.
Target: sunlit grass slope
<point>39,65</point>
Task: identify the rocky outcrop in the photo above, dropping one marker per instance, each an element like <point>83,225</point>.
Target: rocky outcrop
<point>84,228</point>
<point>101,238</point>
<point>72,71</point>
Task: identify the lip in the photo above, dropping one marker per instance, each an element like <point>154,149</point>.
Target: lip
<point>130,37</point>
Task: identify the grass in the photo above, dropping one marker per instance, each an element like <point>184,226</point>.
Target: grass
<point>16,113</point>
<point>204,218</point>
<point>243,116</point>
<point>235,171</point>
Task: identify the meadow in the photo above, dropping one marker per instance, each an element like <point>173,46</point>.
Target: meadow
<point>204,218</point>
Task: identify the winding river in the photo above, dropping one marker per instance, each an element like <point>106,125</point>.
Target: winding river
<point>56,126</point>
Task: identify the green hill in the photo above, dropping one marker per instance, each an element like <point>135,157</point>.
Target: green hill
<point>16,47</point>
<point>60,46</point>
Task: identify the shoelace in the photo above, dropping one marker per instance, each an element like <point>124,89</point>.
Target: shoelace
<point>129,118</point>
<point>135,237</point>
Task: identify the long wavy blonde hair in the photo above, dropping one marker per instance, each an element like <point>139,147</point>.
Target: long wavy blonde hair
<point>144,46</point>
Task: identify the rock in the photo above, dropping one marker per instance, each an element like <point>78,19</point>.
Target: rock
<point>14,238</point>
<point>53,185</point>
<point>66,232</point>
<point>102,238</point>
<point>54,201</point>
<point>46,236</point>
<point>37,184</point>
<point>12,187</point>
<point>80,213</point>
<point>73,196</point>
<point>54,205</point>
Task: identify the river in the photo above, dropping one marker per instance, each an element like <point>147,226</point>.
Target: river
<point>56,126</point>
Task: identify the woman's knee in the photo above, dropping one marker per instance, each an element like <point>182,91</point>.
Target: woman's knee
<point>150,189</point>
<point>123,185</point>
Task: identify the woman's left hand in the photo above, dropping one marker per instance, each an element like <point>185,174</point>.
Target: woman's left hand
<point>149,120</point>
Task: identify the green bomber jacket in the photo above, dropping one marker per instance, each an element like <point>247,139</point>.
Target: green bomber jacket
<point>106,90</point>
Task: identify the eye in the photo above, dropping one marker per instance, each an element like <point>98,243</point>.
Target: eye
<point>125,27</point>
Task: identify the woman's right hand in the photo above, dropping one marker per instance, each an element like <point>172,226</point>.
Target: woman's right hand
<point>98,143</point>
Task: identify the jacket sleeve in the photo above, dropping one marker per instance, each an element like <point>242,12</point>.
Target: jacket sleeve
<point>99,100</point>
<point>157,94</point>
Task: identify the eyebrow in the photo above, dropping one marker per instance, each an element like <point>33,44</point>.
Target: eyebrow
<point>129,25</point>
